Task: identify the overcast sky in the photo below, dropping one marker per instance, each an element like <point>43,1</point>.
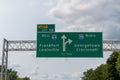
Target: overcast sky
<point>19,19</point>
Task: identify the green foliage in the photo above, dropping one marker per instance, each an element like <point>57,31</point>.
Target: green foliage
<point>112,70</point>
<point>89,75</point>
<point>26,78</point>
<point>0,68</point>
<point>100,73</point>
<point>108,71</point>
<point>12,75</point>
<point>118,64</point>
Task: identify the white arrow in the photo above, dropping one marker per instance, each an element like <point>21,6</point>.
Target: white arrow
<point>63,37</point>
<point>69,41</point>
<point>64,43</point>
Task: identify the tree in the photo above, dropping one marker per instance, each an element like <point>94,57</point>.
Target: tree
<point>100,73</point>
<point>89,75</point>
<point>12,75</point>
<point>118,64</point>
<point>108,71</point>
<point>26,78</point>
<point>112,70</point>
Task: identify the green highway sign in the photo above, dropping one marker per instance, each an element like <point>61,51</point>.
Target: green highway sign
<point>45,28</point>
<point>69,44</point>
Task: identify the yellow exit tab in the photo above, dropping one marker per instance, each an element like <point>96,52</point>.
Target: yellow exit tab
<point>42,26</point>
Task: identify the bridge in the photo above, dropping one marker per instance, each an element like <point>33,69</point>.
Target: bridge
<point>30,45</point>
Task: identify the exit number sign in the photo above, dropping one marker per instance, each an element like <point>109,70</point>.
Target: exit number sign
<point>45,28</point>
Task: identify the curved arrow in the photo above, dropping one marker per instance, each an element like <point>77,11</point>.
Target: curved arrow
<point>64,43</point>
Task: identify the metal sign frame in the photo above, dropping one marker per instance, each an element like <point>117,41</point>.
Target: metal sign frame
<point>30,45</point>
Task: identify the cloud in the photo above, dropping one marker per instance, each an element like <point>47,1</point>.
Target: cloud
<point>89,15</point>
<point>0,60</point>
<point>66,76</point>
<point>31,54</point>
<point>14,66</point>
<point>59,76</point>
<point>44,77</point>
<point>76,76</point>
<point>35,72</point>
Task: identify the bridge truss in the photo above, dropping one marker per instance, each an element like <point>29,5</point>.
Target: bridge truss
<point>30,45</point>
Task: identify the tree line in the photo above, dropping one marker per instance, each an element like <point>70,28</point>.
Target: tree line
<point>12,75</point>
<point>108,71</point>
